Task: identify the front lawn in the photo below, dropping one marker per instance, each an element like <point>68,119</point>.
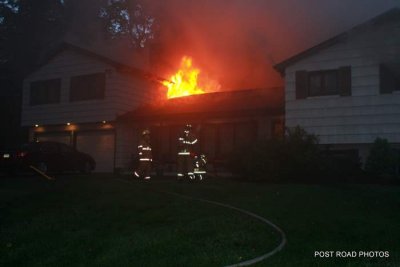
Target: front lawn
<point>103,221</point>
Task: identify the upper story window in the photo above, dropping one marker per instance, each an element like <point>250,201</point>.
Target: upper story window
<point>87,87</point>
<point>45,92</point>
<point>323,82</point>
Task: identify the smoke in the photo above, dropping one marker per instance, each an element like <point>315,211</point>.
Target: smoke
<point>238,41</point>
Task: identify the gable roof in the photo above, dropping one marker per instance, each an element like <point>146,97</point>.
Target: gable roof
<point>252,101</point>
<point>391,14</point>
<point>120,66</point>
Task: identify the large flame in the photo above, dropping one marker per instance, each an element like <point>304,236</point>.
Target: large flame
<point>187,81</point>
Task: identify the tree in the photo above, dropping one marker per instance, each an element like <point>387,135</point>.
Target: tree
<point>123,18</point>
<point>8,11</point>
<point>27,28</point>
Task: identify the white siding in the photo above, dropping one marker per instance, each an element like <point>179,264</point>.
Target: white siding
<point>366,114</point>
<point>129,92</point>
<point>123,92</point>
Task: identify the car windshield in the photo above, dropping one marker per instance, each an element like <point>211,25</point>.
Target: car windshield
<point>66,149</point>
<point>29,147</point>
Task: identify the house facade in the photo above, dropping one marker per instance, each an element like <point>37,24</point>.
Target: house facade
<point>346,90</point>
<point>75,98</point>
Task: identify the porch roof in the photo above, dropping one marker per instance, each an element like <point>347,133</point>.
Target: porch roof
<point>226,103</point>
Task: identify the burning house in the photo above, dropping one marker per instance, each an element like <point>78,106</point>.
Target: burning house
<point>99,105</point>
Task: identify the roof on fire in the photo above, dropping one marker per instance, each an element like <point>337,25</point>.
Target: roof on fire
<point>239,102</point>
<point>388,16</point>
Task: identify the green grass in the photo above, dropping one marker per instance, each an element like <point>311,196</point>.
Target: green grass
<point>101,221</point>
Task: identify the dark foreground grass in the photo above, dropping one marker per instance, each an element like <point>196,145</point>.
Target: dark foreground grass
<point>95,221</point>
<point>101,221</point>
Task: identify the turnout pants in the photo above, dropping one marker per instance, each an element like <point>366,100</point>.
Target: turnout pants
<point>184,166</point>
<point>144,169</point>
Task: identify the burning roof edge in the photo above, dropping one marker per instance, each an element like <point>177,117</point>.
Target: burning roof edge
<point>224,102</point>
<point>391,13</point>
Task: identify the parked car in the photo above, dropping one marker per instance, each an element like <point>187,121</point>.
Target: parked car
<point>47,157</point>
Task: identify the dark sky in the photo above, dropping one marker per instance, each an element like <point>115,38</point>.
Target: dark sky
<point>238,41</point>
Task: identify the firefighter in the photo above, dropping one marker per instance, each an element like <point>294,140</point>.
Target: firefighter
<point>200,163</point>
<point>145,156</point>
<point>185,147</point>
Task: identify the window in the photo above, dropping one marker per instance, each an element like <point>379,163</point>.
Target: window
<point>45,92</point>
<point>87,87</point>
<point>323,82</point>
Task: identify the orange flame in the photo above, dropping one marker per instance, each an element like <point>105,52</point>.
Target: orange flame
<point>187,81</point>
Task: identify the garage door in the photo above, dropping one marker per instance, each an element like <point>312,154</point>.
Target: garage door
<point>100,145</point>
<point>64,138</point>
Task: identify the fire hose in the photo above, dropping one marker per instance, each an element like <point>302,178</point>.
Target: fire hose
<point>41,173</point>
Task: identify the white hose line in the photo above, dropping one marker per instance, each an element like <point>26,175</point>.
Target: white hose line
<point>248,213</point>
<point>41,173</point>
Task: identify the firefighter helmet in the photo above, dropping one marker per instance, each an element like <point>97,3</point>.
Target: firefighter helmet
<point>188,127</point>
<point>146,132</point>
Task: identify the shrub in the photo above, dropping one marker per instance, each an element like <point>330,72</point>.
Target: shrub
<point>340,166</point>
<point>278,159</point>
<point>382,160</point>
<point>296,157</point>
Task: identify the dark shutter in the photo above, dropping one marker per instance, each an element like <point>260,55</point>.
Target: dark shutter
<point>345,81</point>
<point>301,84</point>
<point>386,80</point>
